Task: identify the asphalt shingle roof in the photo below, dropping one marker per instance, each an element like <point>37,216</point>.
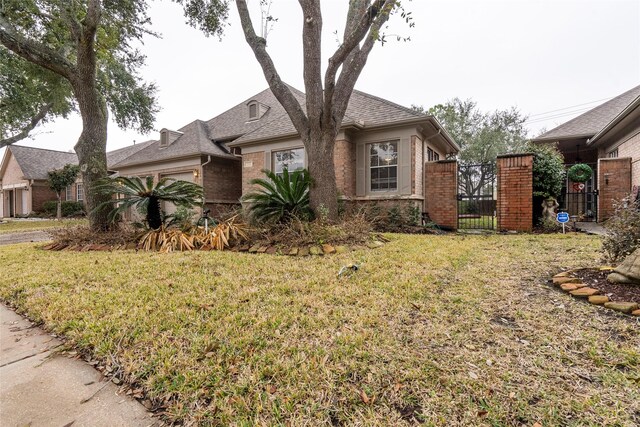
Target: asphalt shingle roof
<point>36,162</point>
<point>364,109</point>
<point>591,122</point>
<point>195,140</point>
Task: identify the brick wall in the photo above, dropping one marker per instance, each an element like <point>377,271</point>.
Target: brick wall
<point>441,189</point>
<point>344,159</point>
<point>515,192</point>
<point>252,165</point>
<point>614,183</point>
<point>222,180</point>
<point>41,193</point>
<point>631,148</point>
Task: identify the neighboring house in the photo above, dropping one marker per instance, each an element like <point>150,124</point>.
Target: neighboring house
<point>24,186</point>
<point>607,138</point>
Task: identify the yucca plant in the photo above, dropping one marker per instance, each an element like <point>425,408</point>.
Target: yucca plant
<point>280,197</point>
<point>145,194</point>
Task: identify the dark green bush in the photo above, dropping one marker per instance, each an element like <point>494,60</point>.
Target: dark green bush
<point>548,170</point>
<point>69,208</point>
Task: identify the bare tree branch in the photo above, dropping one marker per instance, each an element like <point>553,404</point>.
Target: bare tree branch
<point>280,90</point>
<point>33,51</point>
<point>35,120</point>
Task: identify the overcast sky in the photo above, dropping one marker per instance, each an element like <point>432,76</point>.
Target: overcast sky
<point>541,56</point>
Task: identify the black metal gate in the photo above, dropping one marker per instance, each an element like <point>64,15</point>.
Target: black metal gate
<point>477,197</point>
<point>580,200</point>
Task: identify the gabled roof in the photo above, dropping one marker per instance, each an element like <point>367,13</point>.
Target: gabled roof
<point>630,114</point>
<point>119,155</point>
<point>588,124</point>
<point>36,162</point>
<point>195,140</point>
<point>364,110</point>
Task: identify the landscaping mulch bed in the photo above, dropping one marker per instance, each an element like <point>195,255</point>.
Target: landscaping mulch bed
<point>616,292</point>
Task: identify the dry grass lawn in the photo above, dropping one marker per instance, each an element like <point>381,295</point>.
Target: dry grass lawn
<point>447,330</point>
<point>11,226</point>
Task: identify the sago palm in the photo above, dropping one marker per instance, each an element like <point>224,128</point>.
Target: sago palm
<point>145,194</point>
<point>280,197</point>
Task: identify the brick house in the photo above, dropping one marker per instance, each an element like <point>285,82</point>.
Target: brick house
<point>23,177</point>
<point>379,155</point>
<point>607,138</point>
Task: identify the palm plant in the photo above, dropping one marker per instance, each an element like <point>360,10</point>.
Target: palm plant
<point>280,197</point>
<point>145,194</point>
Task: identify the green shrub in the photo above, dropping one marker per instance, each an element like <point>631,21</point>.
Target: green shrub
<point>623,230</point>
<point>548,170</point>
<point>280,198</point>
<point>69,208</point>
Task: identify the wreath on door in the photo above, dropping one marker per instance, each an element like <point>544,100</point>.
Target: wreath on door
<point>580,173</point>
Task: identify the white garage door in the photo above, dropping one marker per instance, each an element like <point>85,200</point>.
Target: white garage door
<point>170,208</point>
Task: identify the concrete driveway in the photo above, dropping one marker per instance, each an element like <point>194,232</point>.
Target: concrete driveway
<point>23,237</point>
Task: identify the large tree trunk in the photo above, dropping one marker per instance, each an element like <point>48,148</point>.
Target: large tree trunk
<point>91,147</point>
<point>323,194</point>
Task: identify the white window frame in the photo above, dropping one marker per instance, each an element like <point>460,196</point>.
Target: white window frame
<point>369,169</point>
<point>69,193</point>
<point>79,192</point>
<point>613,154</point>
<point>274,163</point>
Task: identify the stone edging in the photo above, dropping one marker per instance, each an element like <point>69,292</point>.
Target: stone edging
<point>575,287</point>
<point>325,249</point>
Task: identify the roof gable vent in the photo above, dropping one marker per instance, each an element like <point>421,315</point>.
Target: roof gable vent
<point>168,137</point>
<point>256,110</point>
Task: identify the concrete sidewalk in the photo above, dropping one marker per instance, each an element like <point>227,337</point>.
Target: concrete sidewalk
<point>41,388</point>
<point>23,237</point>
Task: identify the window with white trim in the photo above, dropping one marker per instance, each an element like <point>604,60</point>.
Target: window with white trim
<point>79,192</point>
<point>612,154</point>
<point>383,166</point>
<point>292,160</point>
<point>69,193</point>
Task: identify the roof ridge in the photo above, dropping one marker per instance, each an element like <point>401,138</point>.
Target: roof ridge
<point>597,107</point>
<point>391,103</point>
<point>41,149</point>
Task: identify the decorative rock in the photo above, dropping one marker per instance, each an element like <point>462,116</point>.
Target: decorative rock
<point>605,268</point>
<point>358,247</point>
<point>584,292</point>
<point>375,244</point>
<point>598,299</point>
<point>304,251</point>
<point>243,248</point>
<point>567,287</point>
<point>579,285</point>
<point>635,313</point>
<point>253,249</point>
<point>293,252</point>
<point>628,271</point>
<point>562,280</point>
<point>131,246</point>
<point>341,249</point>
<point>262,249</point>
<point>271,250</point>
<point>328,249</point>
<point>563,274</point>
<point>625,307</point>
<point>315,250</point>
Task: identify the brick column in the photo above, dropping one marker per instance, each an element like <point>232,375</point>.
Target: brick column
<point>515,192</point>
<point>614,184</point>
<point>441,189</point>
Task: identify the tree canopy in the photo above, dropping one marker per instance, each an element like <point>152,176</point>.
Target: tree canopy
<point>318,121</point>
<point>60,179</point>
<point>83,52</point>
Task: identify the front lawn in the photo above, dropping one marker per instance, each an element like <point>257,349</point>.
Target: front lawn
<point>13,226</point>
<point>446,330</point>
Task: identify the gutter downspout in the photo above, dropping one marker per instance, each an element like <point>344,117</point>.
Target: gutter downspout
<point>204,199</point>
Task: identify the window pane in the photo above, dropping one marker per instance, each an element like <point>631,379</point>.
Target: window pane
<point>292,160</point>
<point>383,170</point>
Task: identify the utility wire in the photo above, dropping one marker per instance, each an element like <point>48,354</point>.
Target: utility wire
<point>572,106</point>
<point>555,116</point>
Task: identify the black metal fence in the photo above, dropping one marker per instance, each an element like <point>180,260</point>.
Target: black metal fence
<point>580,200</point>
<point>476,197</point>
